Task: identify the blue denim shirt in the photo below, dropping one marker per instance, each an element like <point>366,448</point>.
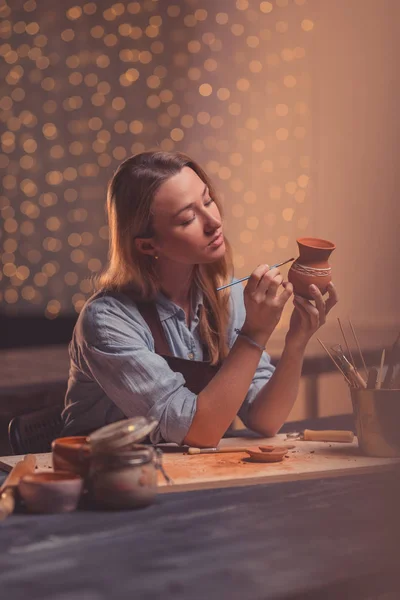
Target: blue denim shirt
<point>115,372</point>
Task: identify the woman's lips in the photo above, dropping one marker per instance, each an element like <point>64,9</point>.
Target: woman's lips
<point>217,241</point>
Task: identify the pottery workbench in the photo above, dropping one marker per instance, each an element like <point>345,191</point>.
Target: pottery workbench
<point>307,460</point>
<point>311,539</point>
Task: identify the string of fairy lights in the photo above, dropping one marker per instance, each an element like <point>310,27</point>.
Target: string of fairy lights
<point>86,85</point>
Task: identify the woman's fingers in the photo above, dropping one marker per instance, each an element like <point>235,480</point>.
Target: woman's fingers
<point>311,310</point>
<point>332,298</point>
<point>304,315</point>
<point>255,278</point>
<point>287,292</point>
<point>271,280</point>
<point>319,303</point>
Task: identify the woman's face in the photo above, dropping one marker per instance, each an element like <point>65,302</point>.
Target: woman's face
<point>186,221</point>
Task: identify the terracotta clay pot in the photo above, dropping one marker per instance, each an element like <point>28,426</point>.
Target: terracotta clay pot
<point>51,492</point>
<point>71,454</point>
<point>312,266</point>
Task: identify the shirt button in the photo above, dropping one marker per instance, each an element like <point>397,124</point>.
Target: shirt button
<point>191,355</point>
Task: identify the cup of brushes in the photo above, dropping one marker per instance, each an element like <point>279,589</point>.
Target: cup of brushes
<point>375,396</point>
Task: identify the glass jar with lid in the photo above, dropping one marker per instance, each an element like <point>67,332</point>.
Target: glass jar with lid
<point>123,473</point>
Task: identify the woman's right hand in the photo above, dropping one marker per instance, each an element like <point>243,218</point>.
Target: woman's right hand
<point>263,302</point>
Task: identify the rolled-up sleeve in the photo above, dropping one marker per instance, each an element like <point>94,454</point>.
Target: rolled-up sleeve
<point>265,368</point>
<point>119,353</point>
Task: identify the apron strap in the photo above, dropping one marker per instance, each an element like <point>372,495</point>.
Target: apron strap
<point>149,312</point>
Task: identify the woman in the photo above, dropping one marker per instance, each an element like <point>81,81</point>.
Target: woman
<point>158,340</point>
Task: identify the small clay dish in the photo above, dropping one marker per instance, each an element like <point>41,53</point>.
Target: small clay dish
<point>51,492</point>
<point>269,456</point>
<point>276,448</point>
<point>71,454</point>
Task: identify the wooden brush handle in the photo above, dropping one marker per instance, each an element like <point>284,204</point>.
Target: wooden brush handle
<point>7,503</point>
<point>22,468</point>
<point>328,436</point>
<point>8,489</point>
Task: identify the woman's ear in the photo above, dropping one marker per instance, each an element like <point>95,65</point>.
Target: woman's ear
<point>145,246</point>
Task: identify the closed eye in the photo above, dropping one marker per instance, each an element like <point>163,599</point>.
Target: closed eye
<point>207,203</point>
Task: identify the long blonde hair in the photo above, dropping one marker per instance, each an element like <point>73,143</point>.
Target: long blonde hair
<point>129,202</point>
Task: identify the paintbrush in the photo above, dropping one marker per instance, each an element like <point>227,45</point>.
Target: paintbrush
<point>335,363</point>
<point>348,368</point>
<point>359,347</point>
<point>246,278</point>
<point>347,345</point>
<point>215,450</point>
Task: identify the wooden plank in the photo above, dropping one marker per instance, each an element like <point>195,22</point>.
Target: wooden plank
<point>201,471</point>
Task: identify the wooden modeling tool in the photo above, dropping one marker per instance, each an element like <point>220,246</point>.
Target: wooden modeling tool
<point>372,378</point>
<point>335,363</point>
<point>347,345</point>
<point>334,435</point>
<point>380,374</point>
<point>328,436</point>
<point>348,368</point>
<point>359,348</point>
<point>9,487</point>
<point>246,278</point>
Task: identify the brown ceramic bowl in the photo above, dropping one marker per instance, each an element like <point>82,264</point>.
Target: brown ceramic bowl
<point>266,456</point>
<point>71,454</point>
<point>51,492</point>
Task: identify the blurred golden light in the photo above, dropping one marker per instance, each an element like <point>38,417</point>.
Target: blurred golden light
<point>287,214</point>
<point>27,228</point>
<point>243,84</point>
<point>222,18</point>
<point>303,181</point>
<point>289,81</point>
<point>307,25</point>
<point>237,29</point>
<point>252,223</point>
<point>177,134</point>
<point>281,26</point>
<point>282,134</point>
<point>246,237</point>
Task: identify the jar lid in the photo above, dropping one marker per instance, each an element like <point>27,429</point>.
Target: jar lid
<point>122,434</point>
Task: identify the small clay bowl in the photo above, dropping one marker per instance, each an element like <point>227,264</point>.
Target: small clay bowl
<point>276,448</point>
<point>267,456</point>
<point>71,454</point>
<point>51,492</point>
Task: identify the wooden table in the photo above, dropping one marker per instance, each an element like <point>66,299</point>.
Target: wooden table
<point>324,538</point>
<point>307,460</point>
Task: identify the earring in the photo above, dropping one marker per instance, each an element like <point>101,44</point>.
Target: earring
<point>156,257</point>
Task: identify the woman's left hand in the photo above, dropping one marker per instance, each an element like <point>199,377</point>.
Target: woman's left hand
<point>307,318</point>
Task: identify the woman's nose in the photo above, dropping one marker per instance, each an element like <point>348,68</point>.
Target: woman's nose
<point>212,222</point>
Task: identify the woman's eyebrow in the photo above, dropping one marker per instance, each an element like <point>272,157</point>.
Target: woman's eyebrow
<point>191,205</point>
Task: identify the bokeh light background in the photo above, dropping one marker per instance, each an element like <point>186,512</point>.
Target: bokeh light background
<point>86,84</point>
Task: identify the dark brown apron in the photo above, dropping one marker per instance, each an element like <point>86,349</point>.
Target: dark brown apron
<point>197,374</point>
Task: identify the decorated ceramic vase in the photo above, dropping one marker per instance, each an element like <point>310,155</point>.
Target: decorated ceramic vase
<point>312,266</point>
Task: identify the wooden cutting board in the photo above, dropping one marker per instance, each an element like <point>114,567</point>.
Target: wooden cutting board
<point>200,471</point>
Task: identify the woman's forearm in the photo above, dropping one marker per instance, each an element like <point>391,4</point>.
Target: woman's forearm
<point>275,400</point>
<point>219,402</point>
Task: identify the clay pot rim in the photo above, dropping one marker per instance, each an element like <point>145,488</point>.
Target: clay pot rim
<point>317,243</point>
<point>72,441</point>
<point>51,478</point>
